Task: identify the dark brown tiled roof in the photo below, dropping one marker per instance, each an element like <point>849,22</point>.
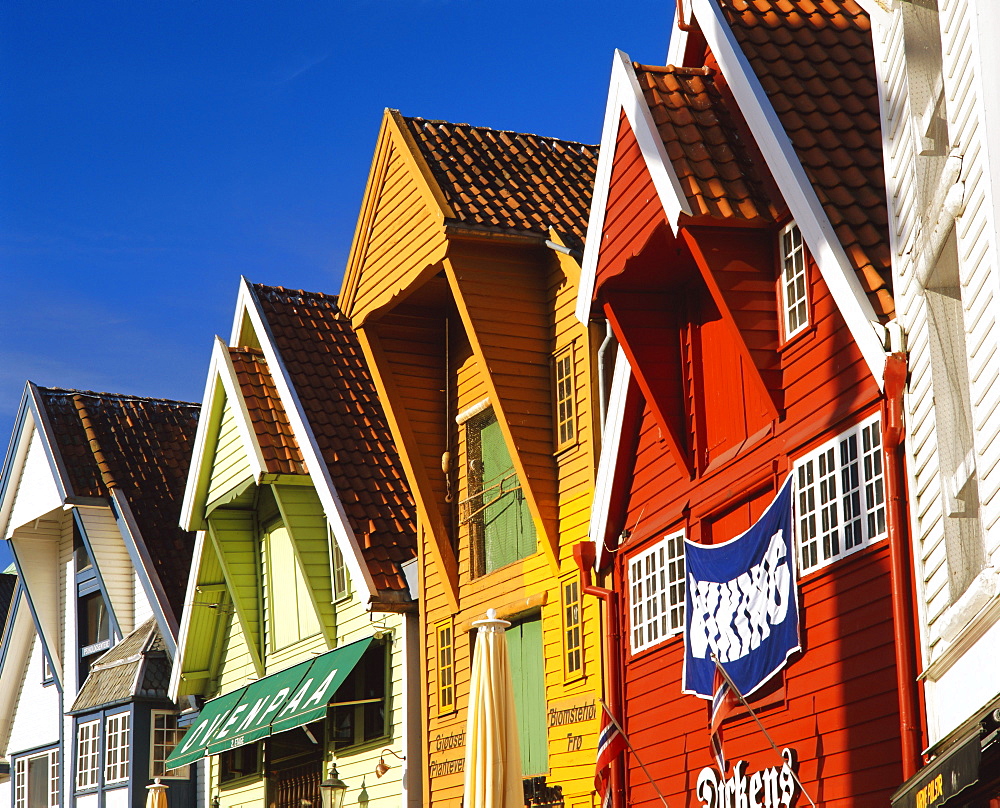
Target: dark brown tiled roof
<point>116,678</point>
<point>709,157</point>
<point>508,180</point>
<point>816,63</point>
<point>267,414</point>
<point>323,357</point>
<point>141,446</point>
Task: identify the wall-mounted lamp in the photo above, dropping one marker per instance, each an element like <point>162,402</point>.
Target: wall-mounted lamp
<point>333,790</point>
<point>382,766</point>
<point>215,801</point>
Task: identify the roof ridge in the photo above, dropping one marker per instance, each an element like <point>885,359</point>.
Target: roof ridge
<point>329,298</point>
<point>679,70</point>
<point>124,397</point>
<point>500,131</point>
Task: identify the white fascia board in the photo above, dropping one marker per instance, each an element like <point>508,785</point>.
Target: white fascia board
<point>318,471</point>
<point>182,635</point>
<point>625,94</point>
<point>678,38</point>
<point>610,448</point>
<point>797,191</point>
<point>144,568</point>
<point>227,374</point>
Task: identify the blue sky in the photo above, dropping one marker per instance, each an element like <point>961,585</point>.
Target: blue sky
<point>151,152</point>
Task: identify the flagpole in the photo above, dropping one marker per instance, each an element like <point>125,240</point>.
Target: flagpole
<point>649,777</point>
<point>753,715</point>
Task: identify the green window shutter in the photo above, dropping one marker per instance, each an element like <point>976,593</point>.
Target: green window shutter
<point>524,644</point>
<point>508,529</point>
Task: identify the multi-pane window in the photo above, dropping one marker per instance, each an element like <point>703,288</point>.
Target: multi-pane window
<point>338,571</point>
<point>793,281</point>
<point>446,667</point>
<point>572,627</point>
<point>240,762</point>
<point>36,781</point>
<point>88,739</point>
<point>164,737</point>
<point>116,745</point>
<point>840,496</point>
<point>565,409</point>
<point>656,590</point>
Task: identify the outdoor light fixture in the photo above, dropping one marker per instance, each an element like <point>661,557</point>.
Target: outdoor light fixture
<point>382,766</point>
<point>333,790</point>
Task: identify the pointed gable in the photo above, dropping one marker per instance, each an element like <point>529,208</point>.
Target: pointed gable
<point>141,446</point>
<point>327,369</point>
<point>816,62</point>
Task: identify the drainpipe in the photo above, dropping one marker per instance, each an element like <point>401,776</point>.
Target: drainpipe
<point>902,598</point>
<point>585,554</point>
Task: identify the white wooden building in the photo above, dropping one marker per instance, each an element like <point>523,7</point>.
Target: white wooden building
<point>938,68</point>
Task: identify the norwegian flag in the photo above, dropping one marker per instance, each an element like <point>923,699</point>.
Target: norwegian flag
<point>610,744</point>
<point>724,701</point>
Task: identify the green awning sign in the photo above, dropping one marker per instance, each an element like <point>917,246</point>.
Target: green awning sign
<point>276,703</point>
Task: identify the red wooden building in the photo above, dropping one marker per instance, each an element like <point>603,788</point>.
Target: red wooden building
<point>739,253</point>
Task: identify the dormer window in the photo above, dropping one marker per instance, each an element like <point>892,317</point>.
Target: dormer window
<point>794,298</point>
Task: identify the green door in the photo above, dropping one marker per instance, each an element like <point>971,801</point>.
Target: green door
<point>524,644</point>
<point>508,529</point>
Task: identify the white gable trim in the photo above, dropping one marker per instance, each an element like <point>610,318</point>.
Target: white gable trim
<point>794,185</point>
<point>182,635</point>
<point>318,471</point>
<point>221,387</point>
<point>610,449</point>
<point>14,652</point>
<point>625,94</point>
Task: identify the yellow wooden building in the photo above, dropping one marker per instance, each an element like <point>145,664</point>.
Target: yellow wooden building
<point>461,286</point>
<point>299,639</point>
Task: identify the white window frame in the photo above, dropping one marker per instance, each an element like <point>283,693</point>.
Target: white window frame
<point>160,746</point>
<point>88,755</point>
<point>116,747</point>
<point>340,578</point>
<point>656,592</point>
<point>21,797</point>
<point>793,261</point>
<point>839,497</point>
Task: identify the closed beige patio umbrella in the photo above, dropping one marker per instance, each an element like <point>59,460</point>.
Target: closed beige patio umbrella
<point>156,795</point>
<point>492,749</point>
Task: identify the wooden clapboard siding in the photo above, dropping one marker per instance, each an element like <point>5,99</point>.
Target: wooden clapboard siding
<point>231,465</point>
<point>36,492</point>
<point>302,513</point>
<point>113,563</point>
<point>40,550</point>
<point>233,537</point>
<point>208,616</point>
<point>400,232</point>
<point>250,792</point>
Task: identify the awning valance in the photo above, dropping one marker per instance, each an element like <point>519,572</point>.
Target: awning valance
<point>942,778</point>
<point>276,703</point>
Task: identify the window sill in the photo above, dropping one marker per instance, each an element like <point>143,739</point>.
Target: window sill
<point>661,645</point>
<point>796,338</point>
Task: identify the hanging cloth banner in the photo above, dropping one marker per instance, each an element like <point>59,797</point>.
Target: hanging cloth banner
<point>742,603</point>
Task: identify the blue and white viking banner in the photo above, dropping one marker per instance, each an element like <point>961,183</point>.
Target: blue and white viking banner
<point>742,604</point>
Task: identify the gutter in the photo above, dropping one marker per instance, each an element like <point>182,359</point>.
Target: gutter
<point>585,554</point>
<point>893,463</point>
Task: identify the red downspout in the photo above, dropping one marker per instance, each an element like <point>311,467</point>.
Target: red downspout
<point>585,554</point>
<point>902,600</point>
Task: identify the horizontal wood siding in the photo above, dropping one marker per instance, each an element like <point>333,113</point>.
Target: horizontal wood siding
<point>113,562</point>
<point>231,466</point>
<point>404,238</point>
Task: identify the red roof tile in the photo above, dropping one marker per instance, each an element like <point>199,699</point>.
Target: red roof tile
<point>507,180</point>
<point>142,446</point>
<point>267,414</point>
<point>712,162</point>
<point>816,63</point>
<point>323,357</point>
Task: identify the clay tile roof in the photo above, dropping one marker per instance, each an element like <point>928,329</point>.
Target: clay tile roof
<point>710,158</point>
<point>816,63</point>
<point>508,180</point>
<point>326,366</point>
<point>267,414</point>
<point>142,446</point>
